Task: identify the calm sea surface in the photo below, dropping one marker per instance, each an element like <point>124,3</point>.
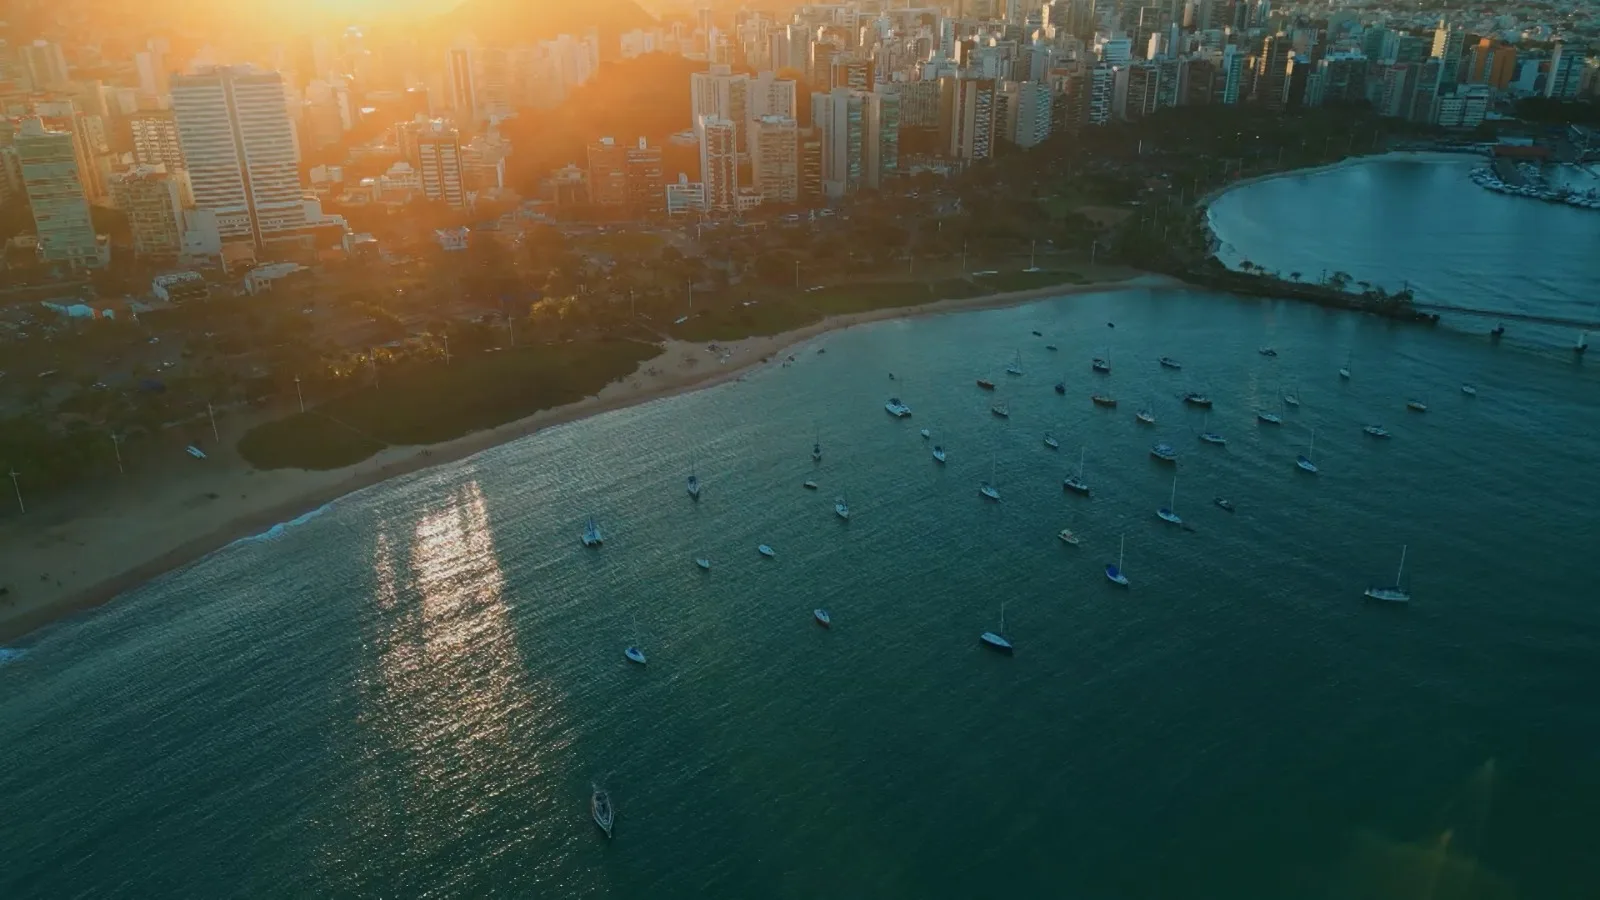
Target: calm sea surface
<point>412,692</point>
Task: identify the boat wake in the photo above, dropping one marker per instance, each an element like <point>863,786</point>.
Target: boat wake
<point>278,530</point>
<point>9,655</point>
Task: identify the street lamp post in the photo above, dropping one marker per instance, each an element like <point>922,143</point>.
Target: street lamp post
<point>18,488</point>
<point>298,395</point>
<point>116,448</point>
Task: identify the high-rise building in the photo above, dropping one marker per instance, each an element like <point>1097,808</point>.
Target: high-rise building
<point>919,104</point>
<point>838,115</point>
<point>721,94</point>
<point>45,64</point>
<point>608,173</point>
<point>811,164</point>
<point>438,163</point>
<point>1377,42</point>
<point>973,121</point>
<point>851,71</point>
<point>773,96</point>
<point>459,89</point>
<point>1344,78</point>
<point>820,69</point>
<point>1233,73</point>
<point>881,138</point>
<point>150,198</point>
<point>1273,70</point>
<point>151,66</point>
<point>1101,84</point>
<point>1144,81</point>
<point>719,166</point>
<point>1494,62</point>
<point>1565,74</point>
<point>1449,44</point>
<point>775,159</point>
<point>1027,111</point>
<point>49,163</point>
<point>238,144</point>
<point>645,196</point>
<point>155,139</point>
<point>1174,81</point>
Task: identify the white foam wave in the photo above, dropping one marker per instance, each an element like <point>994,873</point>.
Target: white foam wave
<point>278,530</point>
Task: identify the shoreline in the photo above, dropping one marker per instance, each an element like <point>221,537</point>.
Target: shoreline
<point>42,559</point>
<point>1349,161</point>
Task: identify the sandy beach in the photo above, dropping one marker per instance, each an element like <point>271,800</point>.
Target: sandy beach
<point>65,556</point>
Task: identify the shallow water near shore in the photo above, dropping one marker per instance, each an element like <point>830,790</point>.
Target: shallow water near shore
<point>413,691</point>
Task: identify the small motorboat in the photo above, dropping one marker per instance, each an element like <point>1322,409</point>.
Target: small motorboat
<point>1377,431</point>
<point>600,808</point>
<point>986,384</point>
<point>1267,351</point>
<point>1168,362</point>
<point>1001,410</point>
<point>989,491</point>
<point>1164,452</point>
<point>195,452</point>
<point>822,617</point>
<point>1145,417</point>
<point>1416,405</point>
<point>896,408</point>
<point>1469,390</point>
<point>1211,437</point>
<point>1103,400</point>
<point>809,485</point>
<point>1224,504</point>
<point>938,453</point>
<point>1051,442</point>
<point>1269,418</point>
<point>1305,464</point>
<point>634,655</point>
<point>1061,387</point>
<point>1100,365</point>
<point>841,508</point>
<point>703,563</point>
<point>926,434</point>
<point>766,551</point>
<point>1067,537</point>
<point>1291,400</point>
<point>1196,399</point>
<point>1051,347</point>
<point>1038,334</point>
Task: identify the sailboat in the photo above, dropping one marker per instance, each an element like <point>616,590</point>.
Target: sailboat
<point>938,453</point>
<point>822,617</point>
<point>600,809</point>
<point>766,551</point>
<point>1209,436</point>
<point>1145,416</point>
<point>1051,442</point>
<point>1377,431</point>
<point>1395,594</point>
<point>1001,409</point>
<point>591,534</point>
<point>1417,405</point>
<point>1304,462</point>
<point>1470,390</point>
<point>1114,572</point>
<point>1165,513</point>
<point>996,640</point>
<point>1015,367</point>
<point>1075,483</point>
<point>1102,363</point>
<point>1292,399</point>
<point>1061,386</point>
<point>1269,418</point>
<point>988,489</point>
<point>694,483</point>
<point>1344,370</point>
<point>842,508</point>
<point>1168,362</point>
<point>816,447</point>
<point>703,562</point>
<point>633,653</point>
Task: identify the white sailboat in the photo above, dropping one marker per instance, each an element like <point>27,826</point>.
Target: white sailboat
<point>816,447</point>
<point>1417,404</point>
<point>1292,399</point>
<point>1396,593</point>
<point>841,508</point>
<point>1304,462</point>
<point>988,489</point>
<point>1166,513</point>
<point>766,551</point>
<point>703,562</point>
<point>1145,416</point>
<point>633,653</point>
<point>1015,367</point>
<point>1051,442</point>
<point>996,640</point>
<point>1075,483</point>
<point>1209,436</point>
<point>694,483</point>
<point>938,453</point>
<point>1114,572</point>
<point>591,534</point>
<point>1344,370</point>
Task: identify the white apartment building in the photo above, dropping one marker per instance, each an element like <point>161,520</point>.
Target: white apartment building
<point>239,146</point>
<point>721,94</point>
<point>1027,112</point>
<point>438,161</point>
<point>838,115</point>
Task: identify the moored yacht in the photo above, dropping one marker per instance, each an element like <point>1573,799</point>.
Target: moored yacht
<point>896,408</point>
<point>1145,416</point>
<point>822,617</point>
<point>1197,399</point>
<point>1269,418</point>
<point>1377,431</point>
<point>1001,410</point>
<point>841,508</point>
<point>1168,362</point>
<point>1103,400</point>
<point>1395,593</point>
<point>600,809</point>
<point>1051,442</point>
<point>591,534</point>
<point>1164,452</point>
<point>938,453</point>
<point>766,551</point>
<point>996,640</point>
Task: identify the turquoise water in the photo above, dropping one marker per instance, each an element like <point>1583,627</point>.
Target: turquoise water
<point>1415,220</point>
<point>411,693</point>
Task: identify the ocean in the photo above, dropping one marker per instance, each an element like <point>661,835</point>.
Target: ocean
<point>412,692</point>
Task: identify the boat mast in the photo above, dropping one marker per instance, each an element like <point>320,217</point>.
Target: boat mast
<point>1121,545</point>
<point>1081,452</point>
<point>1402,568</point>
<point>1002,618</point>
<point>1172,502</point>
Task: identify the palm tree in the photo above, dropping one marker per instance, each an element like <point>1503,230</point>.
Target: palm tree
<point>1295,275</point>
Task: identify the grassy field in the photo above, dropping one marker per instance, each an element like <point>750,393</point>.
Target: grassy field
<point>425,403</point>
<point>1027,281</point>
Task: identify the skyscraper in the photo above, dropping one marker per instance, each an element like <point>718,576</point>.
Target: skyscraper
<point>1566,73</point>
<point>438,161</point>
<point>881,137</point>
<point>721,94</point>
<point>972,123</point>
<point>238,143</point>
<point>719,167</point>
<point>459,86</point>
<point>838,115</point>
<point>45,64</point>
<point>645,190</point>
<point>60,210</point>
